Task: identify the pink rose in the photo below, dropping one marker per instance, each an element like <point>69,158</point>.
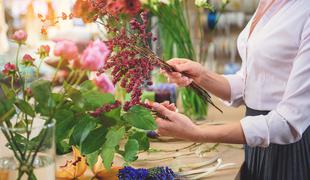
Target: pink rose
<point>28,60</point>
<point>104,84</point>
<point>66,50</point>
<point>95,55</point>
<point>20,36</point>
<point>9,69</point>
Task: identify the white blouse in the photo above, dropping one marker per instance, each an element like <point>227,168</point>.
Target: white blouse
<point>275,74</point>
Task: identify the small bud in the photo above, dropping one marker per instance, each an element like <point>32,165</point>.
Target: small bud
<point>27,60</point>
<point>20,37</point>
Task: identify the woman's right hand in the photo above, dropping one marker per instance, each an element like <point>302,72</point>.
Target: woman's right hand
<point>193,69</point>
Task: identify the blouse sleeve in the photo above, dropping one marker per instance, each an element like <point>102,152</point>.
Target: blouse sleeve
<point>236,82</point>
<point>287,122</point>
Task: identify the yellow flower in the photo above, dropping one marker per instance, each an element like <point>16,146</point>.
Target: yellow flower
<point>74,168</point>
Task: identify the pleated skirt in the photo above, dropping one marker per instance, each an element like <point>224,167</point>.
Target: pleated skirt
<point>277,162</point>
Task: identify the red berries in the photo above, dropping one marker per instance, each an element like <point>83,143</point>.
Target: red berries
<point>131,68</point>
<point>105,108</point>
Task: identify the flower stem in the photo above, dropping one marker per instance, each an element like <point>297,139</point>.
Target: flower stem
<point>57,69</point>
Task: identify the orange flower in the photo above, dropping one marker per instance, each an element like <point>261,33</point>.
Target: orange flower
<point>101,173</point>
<point>73,169</point>
<point>82,9</point>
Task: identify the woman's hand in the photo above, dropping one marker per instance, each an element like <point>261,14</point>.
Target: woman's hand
<point>193,69</point>
<point>176,125</point>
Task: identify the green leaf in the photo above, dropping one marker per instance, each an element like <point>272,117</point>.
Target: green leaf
<point>95,99</point>
<point>64,123</point>
<point>63,147</point>
<point>9,93</point>
<point>7,110</point>
<point>111,118</point>
<point>87,86</point>
<point>142,139</point>
<point>114,136</point>
<point>25,107</point>
<point>107,156</point>
<point>92,159</point>
<point>140,117</point>
<point>131,149</point>
<point>94,141</point>
<point>82,129</point>
<point>41,90</point>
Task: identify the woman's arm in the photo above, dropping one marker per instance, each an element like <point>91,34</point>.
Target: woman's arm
<point>210,81</point>
<point>179,126</point>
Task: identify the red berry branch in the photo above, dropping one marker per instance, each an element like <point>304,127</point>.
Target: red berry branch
<point>133,60</point>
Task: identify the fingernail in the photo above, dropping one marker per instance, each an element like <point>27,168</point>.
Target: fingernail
<point>156,105</point>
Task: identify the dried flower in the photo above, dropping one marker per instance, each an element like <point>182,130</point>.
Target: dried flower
<point>20,37</point>
<point>66,50</point>
<point>27,60</point>
<point>73,169</point>
<point>9,69</point>
<point>104,84</point>
<point>43,51</point>
<point>94,56</point>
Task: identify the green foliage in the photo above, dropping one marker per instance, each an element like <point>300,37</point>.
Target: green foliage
<point>142,139</point>
<point>25,107</point>
<point>94,141</point>
<point>131,149</point>
<point>113,139</point>
<point>141,118</point>
<point>41,90</point>
<point>92,159</point>
<point>82,129</point>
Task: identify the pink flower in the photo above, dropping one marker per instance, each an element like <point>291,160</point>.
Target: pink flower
<point>66,50</point>
<point>20,36</point>
<point>9,69</point>
<point>44,51</point>
<point>27,60</point>
<point>104,84</point>
<point>95,56</point>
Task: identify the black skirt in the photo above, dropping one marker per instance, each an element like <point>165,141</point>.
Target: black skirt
<point>277,162</point>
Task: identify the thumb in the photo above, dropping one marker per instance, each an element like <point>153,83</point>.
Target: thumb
<point>163,110</point>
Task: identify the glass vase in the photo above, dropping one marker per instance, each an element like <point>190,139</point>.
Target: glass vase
<point>27,152</point>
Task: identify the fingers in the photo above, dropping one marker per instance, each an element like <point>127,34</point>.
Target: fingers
<point>163,126</point>
<point>169,106</point>
<point>164,111</point>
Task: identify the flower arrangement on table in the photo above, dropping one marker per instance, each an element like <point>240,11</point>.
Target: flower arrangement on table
<point>89,119</point>
<point>87,115</point>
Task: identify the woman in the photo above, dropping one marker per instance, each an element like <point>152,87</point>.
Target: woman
<point>274,84</point>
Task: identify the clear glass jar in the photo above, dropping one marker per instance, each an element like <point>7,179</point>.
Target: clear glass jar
<point>27,152</point>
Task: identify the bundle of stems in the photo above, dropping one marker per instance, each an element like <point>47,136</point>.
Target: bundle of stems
<point>146,52</point>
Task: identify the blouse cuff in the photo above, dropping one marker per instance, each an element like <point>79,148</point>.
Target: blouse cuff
<point>236,90</point>
<point>255,130</point>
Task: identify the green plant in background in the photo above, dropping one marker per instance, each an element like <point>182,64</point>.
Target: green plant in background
<point>176,41</point>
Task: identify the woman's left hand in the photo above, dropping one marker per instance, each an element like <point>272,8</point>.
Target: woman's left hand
<point>176,125</point>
